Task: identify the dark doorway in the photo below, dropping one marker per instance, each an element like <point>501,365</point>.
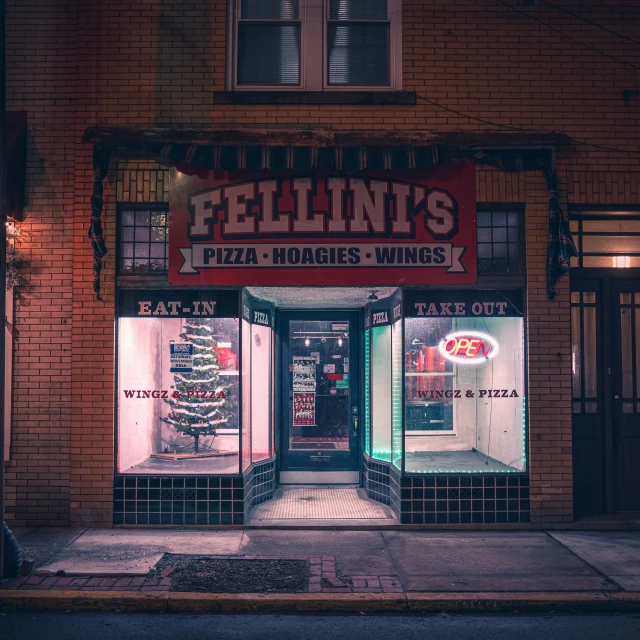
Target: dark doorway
<point>605,323</point>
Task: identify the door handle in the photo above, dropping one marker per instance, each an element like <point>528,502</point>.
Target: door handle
<point>355,423</point>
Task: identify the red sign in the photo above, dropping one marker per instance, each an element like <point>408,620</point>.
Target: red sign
<point>374,228</point>
<point>468,347</point>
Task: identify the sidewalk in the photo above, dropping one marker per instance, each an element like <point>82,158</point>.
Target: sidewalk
<point>377,570</point>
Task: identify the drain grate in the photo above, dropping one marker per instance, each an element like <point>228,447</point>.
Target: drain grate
<point>320,503</point>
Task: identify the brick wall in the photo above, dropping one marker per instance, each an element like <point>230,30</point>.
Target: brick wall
<point>72,64</point>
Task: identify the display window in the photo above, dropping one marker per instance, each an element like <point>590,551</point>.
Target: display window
<point>385,376</point>
<point>178,383</point>
<point>464,382</point>
<point>257,381</point>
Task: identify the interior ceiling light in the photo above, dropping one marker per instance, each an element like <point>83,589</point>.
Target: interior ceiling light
<point>372,297</point>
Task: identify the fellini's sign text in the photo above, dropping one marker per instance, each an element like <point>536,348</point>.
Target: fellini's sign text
<point>383,228</point>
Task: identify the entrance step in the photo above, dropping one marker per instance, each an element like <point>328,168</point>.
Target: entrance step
<point>306,505</point>
<point>319,477</point>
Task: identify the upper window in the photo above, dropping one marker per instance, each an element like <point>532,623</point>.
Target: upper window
<point>143,241</point>
<point>500,242</point>
<point>315,45</point>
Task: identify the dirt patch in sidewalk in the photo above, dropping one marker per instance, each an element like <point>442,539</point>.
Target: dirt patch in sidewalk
<point>208,574</point>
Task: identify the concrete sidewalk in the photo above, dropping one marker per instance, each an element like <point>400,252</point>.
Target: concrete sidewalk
<point>372,570</point>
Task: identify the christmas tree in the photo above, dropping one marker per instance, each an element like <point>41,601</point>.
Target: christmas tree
<point>198,400</point>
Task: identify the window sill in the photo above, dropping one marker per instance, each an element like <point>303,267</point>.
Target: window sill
<point>379,98</point>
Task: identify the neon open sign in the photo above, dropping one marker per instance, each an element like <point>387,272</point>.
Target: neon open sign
<point>468,347</point>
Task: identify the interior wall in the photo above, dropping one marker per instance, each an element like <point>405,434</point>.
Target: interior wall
<point>500,422</point>
<point>260,391</point>
<point>140,367</point>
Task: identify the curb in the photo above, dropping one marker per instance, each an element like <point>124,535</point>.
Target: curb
<point>576,602</point>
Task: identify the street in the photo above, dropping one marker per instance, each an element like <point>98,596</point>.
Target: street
<point>161,626</point>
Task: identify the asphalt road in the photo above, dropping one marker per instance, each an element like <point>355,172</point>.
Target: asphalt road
<point>158,626</point>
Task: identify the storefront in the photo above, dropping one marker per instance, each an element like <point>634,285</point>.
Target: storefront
<point>319,327</point>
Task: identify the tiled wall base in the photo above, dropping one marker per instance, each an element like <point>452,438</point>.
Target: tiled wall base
<point>259,485</point>
<point>448,499</point>
<point>180,500</point>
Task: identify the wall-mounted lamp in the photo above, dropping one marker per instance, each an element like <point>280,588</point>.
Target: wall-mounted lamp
<point>339,342</point>
<point>307,342</point>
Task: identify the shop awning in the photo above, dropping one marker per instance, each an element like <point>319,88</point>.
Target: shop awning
<point>303,149</point>
<point>16,158</point>
<point>255,149</point>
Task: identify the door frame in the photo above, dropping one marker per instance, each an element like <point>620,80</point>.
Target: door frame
<point>605,278</point>
<point>355,318</point>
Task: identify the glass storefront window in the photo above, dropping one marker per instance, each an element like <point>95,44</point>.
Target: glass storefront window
<point>178,394</point>
<point>246,394</point>
<point>367,392</point>
<point>396,393</point>
<point>464,394</point>
<point>380,396</point>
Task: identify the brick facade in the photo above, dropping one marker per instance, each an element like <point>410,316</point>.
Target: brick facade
<point>73,64</point>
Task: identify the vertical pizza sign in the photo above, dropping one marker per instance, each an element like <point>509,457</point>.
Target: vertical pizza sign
<point>366,228</point>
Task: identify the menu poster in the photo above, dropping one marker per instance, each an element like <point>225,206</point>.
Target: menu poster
<point>304,409</point>
<point>304,373</point>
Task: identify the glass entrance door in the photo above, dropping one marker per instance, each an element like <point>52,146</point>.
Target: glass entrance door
<point>320,391</point>
<point>625,325</point>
